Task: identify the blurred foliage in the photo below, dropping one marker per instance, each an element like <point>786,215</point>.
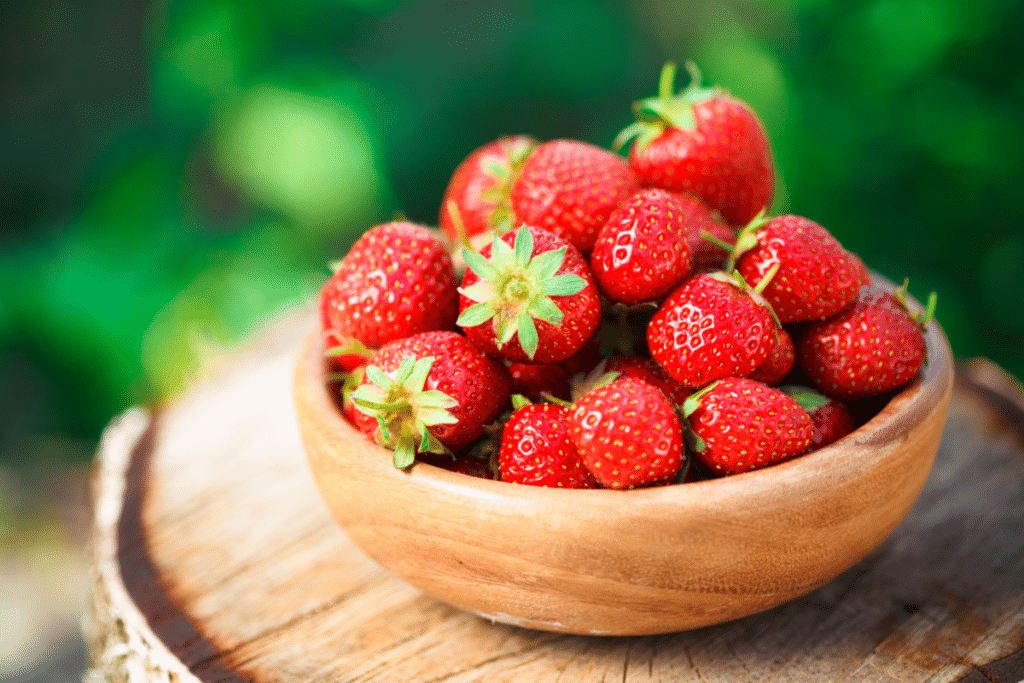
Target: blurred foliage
<point>180,169</point>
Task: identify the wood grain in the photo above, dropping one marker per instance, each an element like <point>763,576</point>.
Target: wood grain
<point>233,569</point>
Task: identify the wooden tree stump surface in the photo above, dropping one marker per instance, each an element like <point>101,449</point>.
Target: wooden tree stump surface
<point>215,560</point>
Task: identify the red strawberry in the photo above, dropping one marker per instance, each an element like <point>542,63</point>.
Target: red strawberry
<point>531,380</point>
<point>830,419</point>
<point>872,347</point>
<point>642,253</point>
<point>396,281</point>
<point>529,297</point>
<point>737,425</point>
<point>429,392</point>
<point>705,142</point>
<point>780,361</point>
<point>705,255</point>
<point>477,201</point>
<point>628,434</point>
<point>536,449</point>
<point>571,188</point>
<point>712,327</point>
<point>816,277</point>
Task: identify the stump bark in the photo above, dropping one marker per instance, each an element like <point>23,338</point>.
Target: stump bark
<point>215,560</point>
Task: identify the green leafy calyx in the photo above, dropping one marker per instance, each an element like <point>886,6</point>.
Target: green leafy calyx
<point>667,109</point>
<point>404,409</point>
<point>516,288</point>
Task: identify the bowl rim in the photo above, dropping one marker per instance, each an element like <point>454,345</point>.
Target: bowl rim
<point>904,410</point>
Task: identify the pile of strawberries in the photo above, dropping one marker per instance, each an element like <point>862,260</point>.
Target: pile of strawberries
<point>582,320</point>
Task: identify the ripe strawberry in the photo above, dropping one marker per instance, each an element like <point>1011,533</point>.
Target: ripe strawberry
<point>396,281</point>
<point>642,252</point>
<point>429,392</point>
<point>705,255</point>
<point>816,277</point>
<point>780,361</point>
<point>737,425</point>
<point>476,201</point>
<point>628,434</point>
<point>536,449</point>
<point>711,327</point>
<point>872,347</point>
<point>570,188</point>
<point>830,419</point>
<point>529,297</point>
<point>705,142</point>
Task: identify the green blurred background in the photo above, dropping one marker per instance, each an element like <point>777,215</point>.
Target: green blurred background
<point>176,171</point>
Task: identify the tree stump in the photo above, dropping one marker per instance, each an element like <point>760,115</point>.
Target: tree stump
<point>215,560</point>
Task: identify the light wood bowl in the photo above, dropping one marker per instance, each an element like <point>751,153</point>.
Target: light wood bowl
<point>628,562</point>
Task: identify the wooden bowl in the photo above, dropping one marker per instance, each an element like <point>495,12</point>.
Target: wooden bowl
<point>628,562</point>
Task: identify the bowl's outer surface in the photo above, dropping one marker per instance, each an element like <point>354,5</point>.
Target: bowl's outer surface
<point>628,562</point>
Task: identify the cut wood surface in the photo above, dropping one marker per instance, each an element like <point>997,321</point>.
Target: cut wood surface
<point>216,560</point>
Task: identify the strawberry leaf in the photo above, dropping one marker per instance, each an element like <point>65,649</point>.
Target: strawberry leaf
<point>528,338</point>
<point>524,247</point>
<point>477,314</point>
<point>544,266</point>
<point>479,265</point>
<point>545,309</point>
<point>565,284</point>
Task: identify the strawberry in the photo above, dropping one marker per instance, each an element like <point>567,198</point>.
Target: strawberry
<point>870,348</point>
<point>571,188</point>
<point>430,392</point>
<point>780,361</point>
<point>628,434</point>
<point>536,449</point>
<point>529,297</point>
<point>713,326</point>
<point>642,253</point>
<point>830,419</point>
<point>816,277</point>
<point>476,201</point>
<point>737,425</point>
<point>700,220</point>
<point>705,142</point>
<point>396,281</point>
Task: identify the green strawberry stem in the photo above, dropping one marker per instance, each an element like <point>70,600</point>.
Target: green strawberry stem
<point>720,243</point>
<point>515,288</point>
<point>746,239</point>
<point>667,109</point>
<point>766,280</point>
<point>460,227</point>
<point>404,409</point>
<point>922,318</point>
